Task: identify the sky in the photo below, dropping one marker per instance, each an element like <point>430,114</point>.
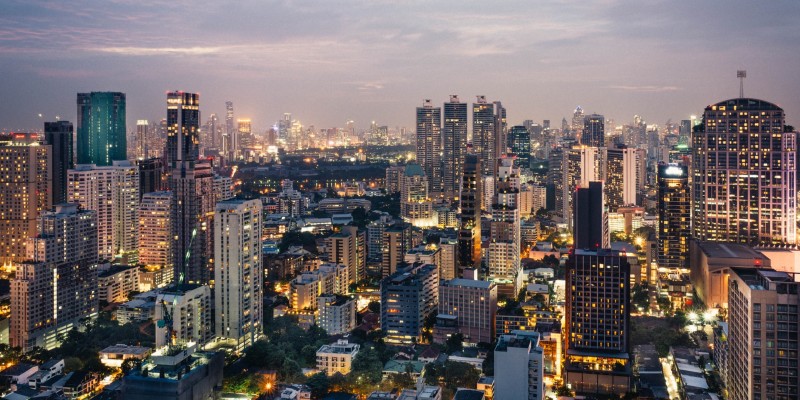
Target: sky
<point>330,61</point>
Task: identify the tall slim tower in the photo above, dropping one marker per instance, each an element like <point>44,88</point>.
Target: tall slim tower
<point>469,232</point>
<point>593,131</point>
<point>183,128</point>
<point>101,128</point>
<point>238,274</point>
<point>674,213</point>
<point>142,139</point>
<point>59,136</point>
<point>622,176</point>
<point>483,135</point>
<point>26,181</point>
<point>591,220</point>
<point>519,141</point>
<point>429,145</point>
<point>744,166</point>
<point>454,137</point>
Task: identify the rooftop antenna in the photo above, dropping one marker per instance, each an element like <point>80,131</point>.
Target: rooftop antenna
<point>741,74</point>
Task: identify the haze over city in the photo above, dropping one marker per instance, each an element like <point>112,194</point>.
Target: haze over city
<point>328,62</point>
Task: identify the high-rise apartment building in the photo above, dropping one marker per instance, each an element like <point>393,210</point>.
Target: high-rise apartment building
<point>190,309</point>
<point>581,165</point>
<point>142,140</point>
<point>454,138</point>
<point>101,128</point>
<point>155,230</point>
<point>408,296</point>
<point>504,246</point>
<point>151,175</point>
<point>674,213</point>
<point>429,145</point>
<point>57,286</point>
<point>337,314</point>
<point>183,128</point>
<point>519,366</point>
<point>416,207</point>
<point>744,174</point>
<point>394,246</point>
<point>113,192</point>
<point>597,322</point>
<point>469,232</point>
<point>591,219</point>
<point>593,134</point>
<point>519,142</point>
<point>59,136</point>
<point>348,247</point>
<point>238,272</point>
<point>483,135</point>
<point>470,308</point>
<point>622,177</point>
<point>762,357</point>
<point>26,184</point>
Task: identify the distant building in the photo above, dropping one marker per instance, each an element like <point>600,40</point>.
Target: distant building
<point>518,367</point>
<point>591,219</point>
<point>454,146</point>
<point>102,135</point>
<point>429,145</point>
<point>674,233</point>
<point>337,357</point>
<point>59,136</point>
<point>407,297</point>
<point>471,305</point>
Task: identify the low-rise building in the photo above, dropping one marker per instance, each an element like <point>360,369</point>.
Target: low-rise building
<point>337,313</point>
<point>337,357</point>
<point>115,355</point>
<point>116,282</point>
<point>518,367</point>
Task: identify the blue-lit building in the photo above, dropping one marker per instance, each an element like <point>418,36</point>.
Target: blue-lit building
<point>101,128</point>
<point>519,141</point>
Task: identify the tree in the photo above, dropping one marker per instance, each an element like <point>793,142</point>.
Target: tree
<point>367,367</point>
<point>454,343</point>
<point>319,385</point>
<point>640,297</point>
<point>374,306</point>
<point>458,374</point>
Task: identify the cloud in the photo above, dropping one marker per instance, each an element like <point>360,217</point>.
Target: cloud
<point>154,51</point>
<point>644,88</point>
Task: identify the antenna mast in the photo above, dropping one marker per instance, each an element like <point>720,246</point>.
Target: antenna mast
<point>741,74</point>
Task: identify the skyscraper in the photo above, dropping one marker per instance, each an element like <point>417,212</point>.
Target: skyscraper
<point>26,192</point>
<point>155,230</point>
<point>238,274</point>
<point>142,139</point>
<point>483,135</point>
<point>581,165</point>
<point>519,140</point>
<point>593,134</point>
<point>744,174</point>
<point>597,321</point>
<point>674,213</point>
<point>408,296</point>
<point>101,128</point>
<point>622,176</point>
<point>469,232</point>
<point>151,175</point>
<point>454,137</point>
<point>415,205</point>
<point>591,218</point>
<point>429,145</point>
<point>183,128</point>
<point>59,136</point>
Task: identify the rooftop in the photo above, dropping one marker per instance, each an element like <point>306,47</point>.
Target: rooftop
<point>746,104</point>
<point>469,283</point>
<point>125,349</point>
<point>730,250</point>
<point>469,394</point>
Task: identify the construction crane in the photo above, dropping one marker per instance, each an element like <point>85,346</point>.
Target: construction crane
<point>166,320</point>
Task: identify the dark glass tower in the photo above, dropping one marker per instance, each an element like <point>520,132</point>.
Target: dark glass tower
<point>519,140</point>
<point>469,234</point>
<point>674,213</point>
<point>483,135</point>
<point>593,134</point>
<point>429,145</point>
<point>101,128</point>
<point>183,127</point>
<point>59,135</point>
<point>591,219</point>
<point>454,137</point>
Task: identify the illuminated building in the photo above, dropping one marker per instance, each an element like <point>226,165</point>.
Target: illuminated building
<point>674,231</point>
<point>415,205</point>
<point>519,367</point>
<point>347,247</point>
<point>580,166</point>
<point>59,136</point>
<point>151,175</point>
<point>337,357</point>
<point>623,173</point>
<point>113,192</point>
<point>408,296</point>
<point>189,307</point>
<point>395,244</point>
<point>744,174</point>
<point>469,232</point>
<point>762,356</point>
<point>483,135</point>
<point>26,183</point>
<point>101,137</point>
<point>454,137</point>
<point>337,314</point>
<point>142,139</point>
<point>238,272</point>
<point>57,286</point>
<point>429,145</point>
<point>597,322</point>
<point>593,134</point>
<point>467,307</point>
<point>519,141</point>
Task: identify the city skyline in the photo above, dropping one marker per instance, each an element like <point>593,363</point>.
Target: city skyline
<point>350,60</point>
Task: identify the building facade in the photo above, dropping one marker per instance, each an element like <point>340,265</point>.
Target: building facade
<point>102,134</point>
<point>474,304</point>
<point>407,297</point>
<point>429,145</point>
<point>454,146</point>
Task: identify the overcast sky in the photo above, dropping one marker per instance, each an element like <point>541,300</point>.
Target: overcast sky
<point>329,61</point>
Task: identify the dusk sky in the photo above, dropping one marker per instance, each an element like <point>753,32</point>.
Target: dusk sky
<point>330,61</point>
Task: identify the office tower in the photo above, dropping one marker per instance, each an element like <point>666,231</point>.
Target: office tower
<point>113,192</point>
<point>593,134</point>
<point>211,132</point>
<point>59,136</point>
<point>597,321</point>
<point>454,138</point>
<point>762,354</point>
<point>190,308</point>
<point>343,248</point>
<point>429,145</point>
<point>469,232</point>
<point>229,117</point>
<point>504,246</point>
<point>57,286</point>
<point>416,207</point>
<point>623,174</point>
<point>155,230</point>
<point>238,274</point>
<point>192,185</point>
<point>151,175</point>
<point>101,128</point>
<point>744,174</point>
<point>591,218</point>
<point>483,134</point>
<point>244,134</point>
<point>519,367</point>
<point>581,165</point>
<point>142,140</point>
<point>519,141</point>
<point>467,307</point>
<point>578,118</point>
<point>408,296</point>
<point>448,254</point>
<point>26,192</point>
<point>674,213</point>
<point>395,244</point>
<point>337,314</point>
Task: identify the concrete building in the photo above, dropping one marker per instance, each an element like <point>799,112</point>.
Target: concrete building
<point>190,309</point>
<point>518,367</point>
<point>116,282</point>
<point>711,264</point>
<point>348,247</point>
<point>113,192</point>
<point>416,206</point>
<point>394,246</point>
<point>468,307</point>
<point>336,357</point>
<point>337,314</point>
<point>429,145</point>
<point>454,146</point>
<point>26,192</point>
<point>308,286</point>
<point>674,232</point>
<point>762,359</point>
<point>590,218</point>
<point>115,355</point>
<point>448,257</point>
<point>238,272</point>
<point>187,375</point>
<point>407,297</point>
<point>155,230</point>
<point>622,172</point>
<point>469,232</point>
